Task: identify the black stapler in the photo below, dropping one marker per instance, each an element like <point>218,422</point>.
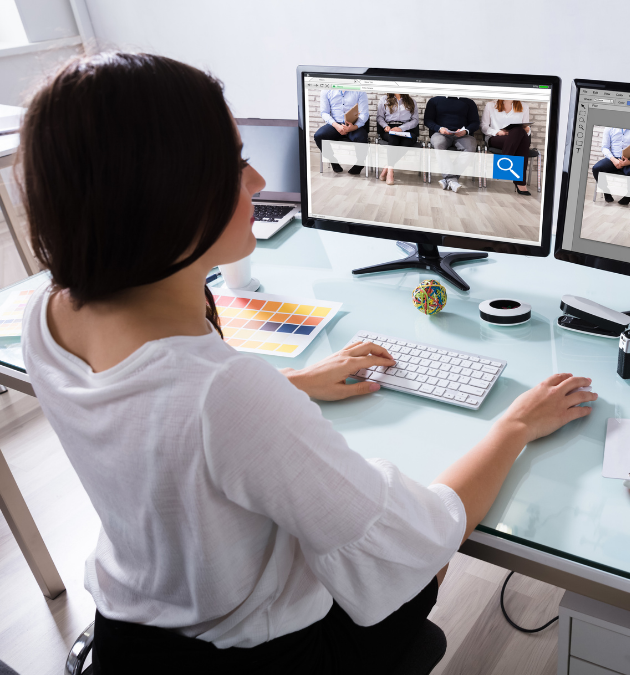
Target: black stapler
<point>585,316</point>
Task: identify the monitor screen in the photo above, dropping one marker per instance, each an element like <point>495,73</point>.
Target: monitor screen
<point>594,212</point>
<point>456,144</point>
<point>271,146</point>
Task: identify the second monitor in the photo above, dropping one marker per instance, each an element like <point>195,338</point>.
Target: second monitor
<point>464,160</point>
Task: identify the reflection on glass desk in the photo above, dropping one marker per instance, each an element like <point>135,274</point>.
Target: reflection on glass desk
<point>555,507</point>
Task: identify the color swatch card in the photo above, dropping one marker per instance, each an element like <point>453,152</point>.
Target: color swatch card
<point>11,312</point>
<point>271,324</point>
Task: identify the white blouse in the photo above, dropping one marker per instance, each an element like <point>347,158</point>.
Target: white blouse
<point>492,120</point>
<point>231,510</point>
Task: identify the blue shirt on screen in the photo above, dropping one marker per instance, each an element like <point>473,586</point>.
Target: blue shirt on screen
<point>615,141</point>
<point>335,103</point>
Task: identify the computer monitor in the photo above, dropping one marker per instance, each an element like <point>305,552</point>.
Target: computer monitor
<point>481,211</point>
<point>272,148</point>
<point>594,211</point>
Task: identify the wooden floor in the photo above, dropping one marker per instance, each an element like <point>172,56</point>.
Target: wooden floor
<point>606,222</point>
<point>492,212</point>
<point>36,634</point>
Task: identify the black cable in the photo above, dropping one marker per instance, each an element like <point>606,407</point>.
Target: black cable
<point>507,618</point>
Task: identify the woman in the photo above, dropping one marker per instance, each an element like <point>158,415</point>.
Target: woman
<point>239,531</point>
<point>396,112</point>
<point>496,116</point>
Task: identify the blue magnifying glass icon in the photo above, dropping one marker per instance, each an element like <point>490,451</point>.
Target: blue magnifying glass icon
<point>510,166</point>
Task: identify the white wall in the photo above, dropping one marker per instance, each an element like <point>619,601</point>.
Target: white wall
<point>254,45</point>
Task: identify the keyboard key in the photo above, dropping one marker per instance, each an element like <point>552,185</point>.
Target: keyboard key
<point>461,397</point>
<point>474,358</point>
<point>472,401</point>
<point>476,366</point>
<point>445,359</point>
<point>401,365</point>
<point>452,353</point>
<point>391,371</point>
<point>449,394</point>
<point>435,357</point>
<point>405,350</point>
<point>463,379</point>
<point>373,336</point>
<point>453,385</point>
<point>432,380</point>
<point>362,334</point>
<point>466,364</point>
<point>394,348</point>
<point>432,372</point>
<point>441,351</point>
<point>402,343</point>
<point>400,373</point>
<point>421,369</point>
<point>453,378</point>
<point>363,373</point>
<point>456,369</point>
<point>422,378</point>
<point>476,374</point>
<point>425,355</point>
<point>485,361</point>
<point>455,362</point>
<point>487,377</point>
<point>404,358</point>
<point>445,367</point>
<point>398,382</point>
<point>438,391</point>
<point>415,352</point>
<point>381,369</point>
<point>466,371</point>
<point>387,345</point>
<point>489,369</point>
<point>411,368</point>
<point>471,390</point>
<point>463,356</point>
<point>431,349</point>
<point>425,362</point>
<point>427,388</point>
<point>411,376</point>
<point>495,363</point>
<point>414,359</point>
<point>481,383</point>
<point>443,383</point>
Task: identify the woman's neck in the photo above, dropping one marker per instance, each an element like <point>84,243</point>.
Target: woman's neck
<point>105,333</point>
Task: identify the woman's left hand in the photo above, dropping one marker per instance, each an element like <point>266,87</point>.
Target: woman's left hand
<point>326,380</point>
<point>527,129</point>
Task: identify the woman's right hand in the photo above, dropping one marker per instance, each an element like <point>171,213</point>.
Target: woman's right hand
<point>502,132</point>
<point>548,406</point>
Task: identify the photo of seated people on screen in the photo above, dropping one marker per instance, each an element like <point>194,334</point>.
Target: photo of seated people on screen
<point>414,157</point>
<point>606,215</point>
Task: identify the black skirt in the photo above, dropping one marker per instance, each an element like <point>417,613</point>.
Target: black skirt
<point>333,645</point>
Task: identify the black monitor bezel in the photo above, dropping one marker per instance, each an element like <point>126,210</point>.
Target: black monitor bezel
<point>449,240</point>
<point>560,253</point>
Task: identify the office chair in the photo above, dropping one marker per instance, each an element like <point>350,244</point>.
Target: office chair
<point>6,670</point>
<point>425,653</point>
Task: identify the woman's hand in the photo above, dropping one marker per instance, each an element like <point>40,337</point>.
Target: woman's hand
<point>548,406</point>
<point>502,132</point>
<point>326,380</point>
<point>527,129</point>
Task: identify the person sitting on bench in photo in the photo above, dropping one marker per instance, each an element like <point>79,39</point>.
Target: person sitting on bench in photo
<point>452,120</point>
<point>614,142</point>
<point>515,141</point>
<point>397,113</point>
<point>335,103</point>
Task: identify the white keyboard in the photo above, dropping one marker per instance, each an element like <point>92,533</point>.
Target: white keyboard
<point>458,378</point>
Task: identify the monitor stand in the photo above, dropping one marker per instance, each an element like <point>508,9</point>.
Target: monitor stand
<point>427,257</point>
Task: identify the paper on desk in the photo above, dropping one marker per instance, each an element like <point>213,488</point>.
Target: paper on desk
<point>617,449</point>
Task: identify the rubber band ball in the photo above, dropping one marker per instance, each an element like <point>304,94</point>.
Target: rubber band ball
<point>429,297</point>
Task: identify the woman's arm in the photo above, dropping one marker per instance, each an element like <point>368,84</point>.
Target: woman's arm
<point>486,121</point>
<point>380,113</point>
<point>413,122</point>
<point>477,477</point>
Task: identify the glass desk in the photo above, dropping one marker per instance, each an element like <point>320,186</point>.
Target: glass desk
<point>556,518</point>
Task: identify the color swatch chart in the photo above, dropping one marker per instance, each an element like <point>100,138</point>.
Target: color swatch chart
<point>271,324</point>
<point>11,313</point>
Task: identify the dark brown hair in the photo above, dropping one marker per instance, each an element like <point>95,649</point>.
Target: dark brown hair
<point>517,106</point>
<point>129,161</point>
<point>407,101</point>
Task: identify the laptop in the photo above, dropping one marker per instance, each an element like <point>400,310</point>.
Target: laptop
<point>272,149</point>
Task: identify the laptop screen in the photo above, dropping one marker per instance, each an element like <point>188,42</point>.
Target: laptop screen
<point>271,146</point>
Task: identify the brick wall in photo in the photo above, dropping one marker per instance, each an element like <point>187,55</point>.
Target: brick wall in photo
<point>537,114</point>
<point>595,155</point>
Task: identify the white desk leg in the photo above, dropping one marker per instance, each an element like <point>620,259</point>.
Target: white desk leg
<point>27,535</point>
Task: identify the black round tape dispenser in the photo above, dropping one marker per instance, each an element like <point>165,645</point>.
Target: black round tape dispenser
<point>505,312</point>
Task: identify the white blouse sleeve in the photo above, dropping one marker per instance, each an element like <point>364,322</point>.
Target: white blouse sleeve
<point>486,120</point>
<point>370,534</point>
<point>526,116</point>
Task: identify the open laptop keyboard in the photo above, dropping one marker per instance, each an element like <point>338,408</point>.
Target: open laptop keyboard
<point>438,373</point>
<point>270,213</point>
